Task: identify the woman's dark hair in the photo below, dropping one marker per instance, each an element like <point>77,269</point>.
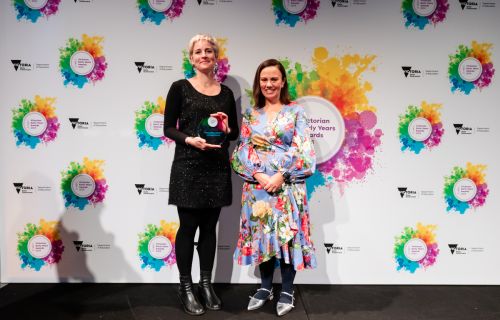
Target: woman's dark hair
<point>258,97</point>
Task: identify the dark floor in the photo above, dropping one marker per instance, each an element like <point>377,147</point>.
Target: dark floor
<point>159,301</point>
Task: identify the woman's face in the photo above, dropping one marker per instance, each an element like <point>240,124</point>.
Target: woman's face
<point>271,83</point>
<point>203,56</point>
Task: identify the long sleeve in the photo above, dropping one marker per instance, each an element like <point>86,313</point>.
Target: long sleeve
<point>245,160</point>
<point>300,159</point>
<point>172,112</point>
<point>232,120</point>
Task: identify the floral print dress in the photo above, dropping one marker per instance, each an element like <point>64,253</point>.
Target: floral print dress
<point>275,224</point>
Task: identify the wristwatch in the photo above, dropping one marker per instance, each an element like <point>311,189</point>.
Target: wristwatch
<point>286,175</point>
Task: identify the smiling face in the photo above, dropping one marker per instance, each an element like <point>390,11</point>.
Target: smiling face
<point>271,83</point>
<point>203,56</point>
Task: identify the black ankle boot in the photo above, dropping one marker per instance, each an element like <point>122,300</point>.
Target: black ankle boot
<point>188,299</point>
<point>207,293</point>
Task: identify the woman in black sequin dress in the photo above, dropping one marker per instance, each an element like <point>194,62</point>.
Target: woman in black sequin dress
<point>200,178</point>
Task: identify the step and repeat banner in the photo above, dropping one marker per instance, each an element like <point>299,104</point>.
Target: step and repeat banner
<point>403,105</point>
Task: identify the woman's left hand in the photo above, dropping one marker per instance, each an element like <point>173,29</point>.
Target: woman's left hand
<point>275,182</point>
<point>223,118</point>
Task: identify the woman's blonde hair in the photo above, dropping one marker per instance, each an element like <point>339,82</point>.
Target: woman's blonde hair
<point>207,37</point>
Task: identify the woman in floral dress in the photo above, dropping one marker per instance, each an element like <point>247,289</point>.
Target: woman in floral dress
<point>274,157</point>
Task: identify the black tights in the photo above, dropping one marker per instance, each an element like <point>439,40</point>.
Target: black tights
<point>190,220</point>
<point>287,274</point>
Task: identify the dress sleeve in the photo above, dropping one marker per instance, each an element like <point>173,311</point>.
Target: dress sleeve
<point>172,112</point>
<point>245,160</point>
<point>299,161</point>
<point>232,118</point>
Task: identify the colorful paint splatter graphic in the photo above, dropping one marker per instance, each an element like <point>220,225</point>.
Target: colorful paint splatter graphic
<point>222,66</point>
<point>291,19</point>
<point>33,14</point>
<point>339,80</point>
<point>89,169</point>
<point>426,249</point>
<point>45,116</point>
<point>148,14</point>
<point>476,174</point>
<point>412,19</point>
<point>142,122</point>
<point>48,230</point>
<point>81,54</point>
<point>479,51</point>
<point>428,111</point>
<point>167,230</point>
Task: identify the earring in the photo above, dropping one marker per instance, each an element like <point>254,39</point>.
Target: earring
<point>216,68</point>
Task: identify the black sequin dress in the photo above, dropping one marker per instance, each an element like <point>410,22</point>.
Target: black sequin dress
<point>198,179</point>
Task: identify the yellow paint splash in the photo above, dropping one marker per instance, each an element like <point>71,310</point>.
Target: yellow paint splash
<point>430,111</point>
<point>340,81</point>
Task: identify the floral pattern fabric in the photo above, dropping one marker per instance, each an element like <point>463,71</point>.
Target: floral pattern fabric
<point>275,224</point>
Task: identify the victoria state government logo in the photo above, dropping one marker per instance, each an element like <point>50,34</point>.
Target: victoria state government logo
<point>20,187</point>
<point>411,72</point>
<point>19,65</point>
<point>470,5</point>
<point>456,249</point>
<point>80,246</point>
<point>143,67</point>
<point>143,189</point>
<point>332,248</point>
<point>340,3</point>
<point>461,129</point>
<point>405,193</point>
<point>76,123</point>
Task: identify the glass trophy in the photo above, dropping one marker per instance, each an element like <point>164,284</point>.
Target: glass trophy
<point>211,129</point>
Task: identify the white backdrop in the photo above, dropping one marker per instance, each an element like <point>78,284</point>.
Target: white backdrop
<point>365,205</point>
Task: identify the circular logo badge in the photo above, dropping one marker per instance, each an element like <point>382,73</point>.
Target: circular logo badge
<point>415,249</point>
<point>39,246</point>
<point>470,69</point>
<point>420,129</point>
<point>464,190</point>
<point>212,122</point>
<point>424,8</point>
<point>83,185</point>
<point>36,4</point>
<point>34,123</point>
<point>159,247</point>
<point>154,125</point>
<point>326,125</point>
<point>160,5</point>
<point>82,63</point>
<point>295,6</point>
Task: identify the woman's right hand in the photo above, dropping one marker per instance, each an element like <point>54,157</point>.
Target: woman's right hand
<point>200,143</point>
